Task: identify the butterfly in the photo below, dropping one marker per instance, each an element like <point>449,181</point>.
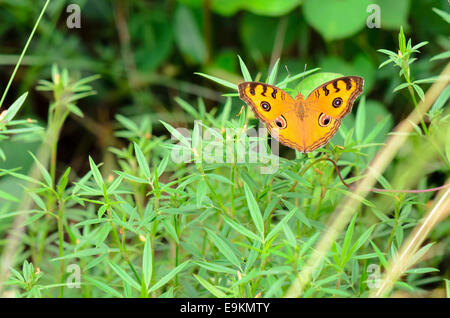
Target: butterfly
<point>303,124</point>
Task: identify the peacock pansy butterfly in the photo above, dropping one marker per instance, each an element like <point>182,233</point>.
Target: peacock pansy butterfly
<point>303,124</point>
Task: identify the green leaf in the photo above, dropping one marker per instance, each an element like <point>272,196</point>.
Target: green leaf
<point>130,177</point>
<point>102,286</point>
<point>15,107</point>
<point>419,91</point>
<point>380,255</point>
<point>188,36</point>
<point>360,119</point>
<point>279,226</point>
<point>128,124</point>
<point>336,19</point>
<point>201,193</point>
<point>210,287</point>
<point>431,79</point>
<point>259,7</point>
<point>187,107</point>
<point>223,248</point>
<point>241,229</point>
<point>147,261</point>
<point>361,240</point>
<point>254,210</point>
<point>441,100</point>
<point>175,133</point>
<point>102,234</point>
<point>44,172</point>
<point>142,162</point>
<point>418,46</point>
<point>401,86</point>
<point>8,196</point>
<point>168,277</point>
<point>216,268</point>
<point>447,149</point>
<point>244,70</point>
<point>441,56</point>
<point>444,15</point>
<point>348,239</point>
<point>170,228</point>
<point>447,287</point>
<point>124,276</point>
<point>402,41</point>
<point>85,253</point>
<point>422,270</point>
<point>286,81</point>
<point>219,80</point>
<point>96,173</point>
<point>273,73</point>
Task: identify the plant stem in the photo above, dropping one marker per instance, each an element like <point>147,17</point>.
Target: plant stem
<point>23,52</point>
<point>61,246</point>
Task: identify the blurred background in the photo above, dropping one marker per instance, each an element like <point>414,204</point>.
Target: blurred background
<point>147,52</point>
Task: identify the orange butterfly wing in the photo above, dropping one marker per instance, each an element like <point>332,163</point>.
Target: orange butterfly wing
<point>326,106</point>
<point>335,98</point>
<point>302,124</point>
<point>277,109</point>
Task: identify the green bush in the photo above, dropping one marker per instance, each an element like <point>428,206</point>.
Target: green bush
<point>93,202</point>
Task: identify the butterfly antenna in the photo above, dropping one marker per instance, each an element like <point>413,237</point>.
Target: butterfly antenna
<point>287,70</point>
<point>301,82</point>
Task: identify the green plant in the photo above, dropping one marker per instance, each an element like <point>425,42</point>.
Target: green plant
<point>120,203</point>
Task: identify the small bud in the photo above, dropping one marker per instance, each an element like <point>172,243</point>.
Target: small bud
<point>141,238</point>
<point>38,270</point>
<point>195,152</point>
<point>3,115</point>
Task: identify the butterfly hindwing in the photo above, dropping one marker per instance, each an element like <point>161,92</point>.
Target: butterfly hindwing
<point>318,129</point>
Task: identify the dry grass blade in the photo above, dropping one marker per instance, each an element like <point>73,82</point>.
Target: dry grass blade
<point>350,205</point>
<point>406,255</point>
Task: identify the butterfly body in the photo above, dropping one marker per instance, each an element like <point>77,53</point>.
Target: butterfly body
<point>303,124</point>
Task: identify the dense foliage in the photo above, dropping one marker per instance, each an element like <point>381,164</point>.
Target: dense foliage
<point>91,193</point>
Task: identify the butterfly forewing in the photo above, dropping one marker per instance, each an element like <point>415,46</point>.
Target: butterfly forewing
<point>336,97</point>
